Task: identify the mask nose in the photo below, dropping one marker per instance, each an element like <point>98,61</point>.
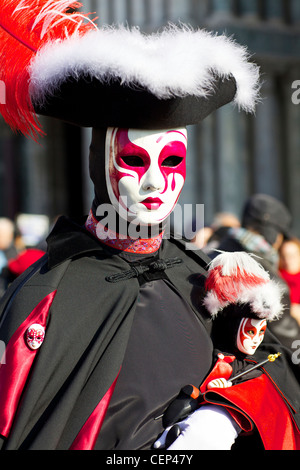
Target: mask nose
<point>153,179</point>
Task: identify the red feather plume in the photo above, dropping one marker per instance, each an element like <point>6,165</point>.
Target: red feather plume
<point>227,288</point>
<point>25,27</point>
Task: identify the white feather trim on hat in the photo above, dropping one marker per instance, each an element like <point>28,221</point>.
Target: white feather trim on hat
<point>237,262</point>
<point>265,300</point>
<point>179,61</point>
<point>236,278</point>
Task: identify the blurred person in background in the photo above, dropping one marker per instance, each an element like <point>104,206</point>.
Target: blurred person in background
<point>30,233</point>
<point>20,246</point>
<point>7,250</point>
<point>209,237</point>
<point>7,232</point>
<point>289,268</point>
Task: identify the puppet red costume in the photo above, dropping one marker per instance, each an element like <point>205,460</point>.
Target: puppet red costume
<point>255,403</point>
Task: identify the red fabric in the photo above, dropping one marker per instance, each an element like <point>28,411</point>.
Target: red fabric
<point>25,259</point>
<point>259,400</point>
<point>293,281</point>
<point>16,364</point>
<point>87,436</point>
<point>222,368</point>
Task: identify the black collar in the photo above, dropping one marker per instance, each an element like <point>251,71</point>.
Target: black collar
<point>70,239</point>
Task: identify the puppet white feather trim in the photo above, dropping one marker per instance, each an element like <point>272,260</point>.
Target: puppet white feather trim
<point>176,62</point>
<point>233,263</point>
<point>265,300</point>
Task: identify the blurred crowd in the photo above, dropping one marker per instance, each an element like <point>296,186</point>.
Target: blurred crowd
<point>22,242</point>
<point>263,229</point>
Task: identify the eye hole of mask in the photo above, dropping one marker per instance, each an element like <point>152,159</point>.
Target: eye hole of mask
<point>133,160</point>
<point>172,161</point>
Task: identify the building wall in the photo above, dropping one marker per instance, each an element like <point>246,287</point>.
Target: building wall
<point>231,154</point>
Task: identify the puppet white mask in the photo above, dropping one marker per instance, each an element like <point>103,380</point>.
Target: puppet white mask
<point>250,335</point>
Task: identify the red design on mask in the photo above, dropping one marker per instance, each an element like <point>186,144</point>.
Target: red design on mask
<point>251,331</point>
<point>130,156</point>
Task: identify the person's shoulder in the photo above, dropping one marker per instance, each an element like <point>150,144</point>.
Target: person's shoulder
<point>185,250</point>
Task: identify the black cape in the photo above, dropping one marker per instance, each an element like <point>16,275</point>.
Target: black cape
<point>90,341</point>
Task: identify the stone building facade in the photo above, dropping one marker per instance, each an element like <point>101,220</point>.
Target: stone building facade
<point>231,154</point>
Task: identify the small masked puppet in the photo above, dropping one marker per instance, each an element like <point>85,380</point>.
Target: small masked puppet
<point>241,299</point>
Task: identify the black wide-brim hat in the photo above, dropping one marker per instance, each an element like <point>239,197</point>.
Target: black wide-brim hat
<point>117,105</point>
<point>114,76</point>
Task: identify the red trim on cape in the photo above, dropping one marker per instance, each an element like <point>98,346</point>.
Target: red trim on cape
<point>16,364</point>
<point>88,434</point>
<point>258,401</point>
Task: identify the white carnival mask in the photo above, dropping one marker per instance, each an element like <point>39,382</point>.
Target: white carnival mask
<point>145,172</point>
<point>35,335</point>
<point>250,335</point>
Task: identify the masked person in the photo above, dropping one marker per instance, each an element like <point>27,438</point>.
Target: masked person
<point>241,299</point>
<point>117,303</point>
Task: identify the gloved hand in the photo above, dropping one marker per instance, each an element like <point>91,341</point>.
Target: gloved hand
<point>208,428</point>
<point>219,383</point>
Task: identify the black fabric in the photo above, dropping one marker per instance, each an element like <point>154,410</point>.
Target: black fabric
<point>241,365</point>
<point>90,103</point>
<point>66,238</point>
<point>164,331</point>
<point>97,168</point>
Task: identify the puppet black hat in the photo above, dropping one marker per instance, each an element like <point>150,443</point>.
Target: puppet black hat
<point>62,65</point>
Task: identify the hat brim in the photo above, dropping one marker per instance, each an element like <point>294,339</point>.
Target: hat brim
<point>87,102</point>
